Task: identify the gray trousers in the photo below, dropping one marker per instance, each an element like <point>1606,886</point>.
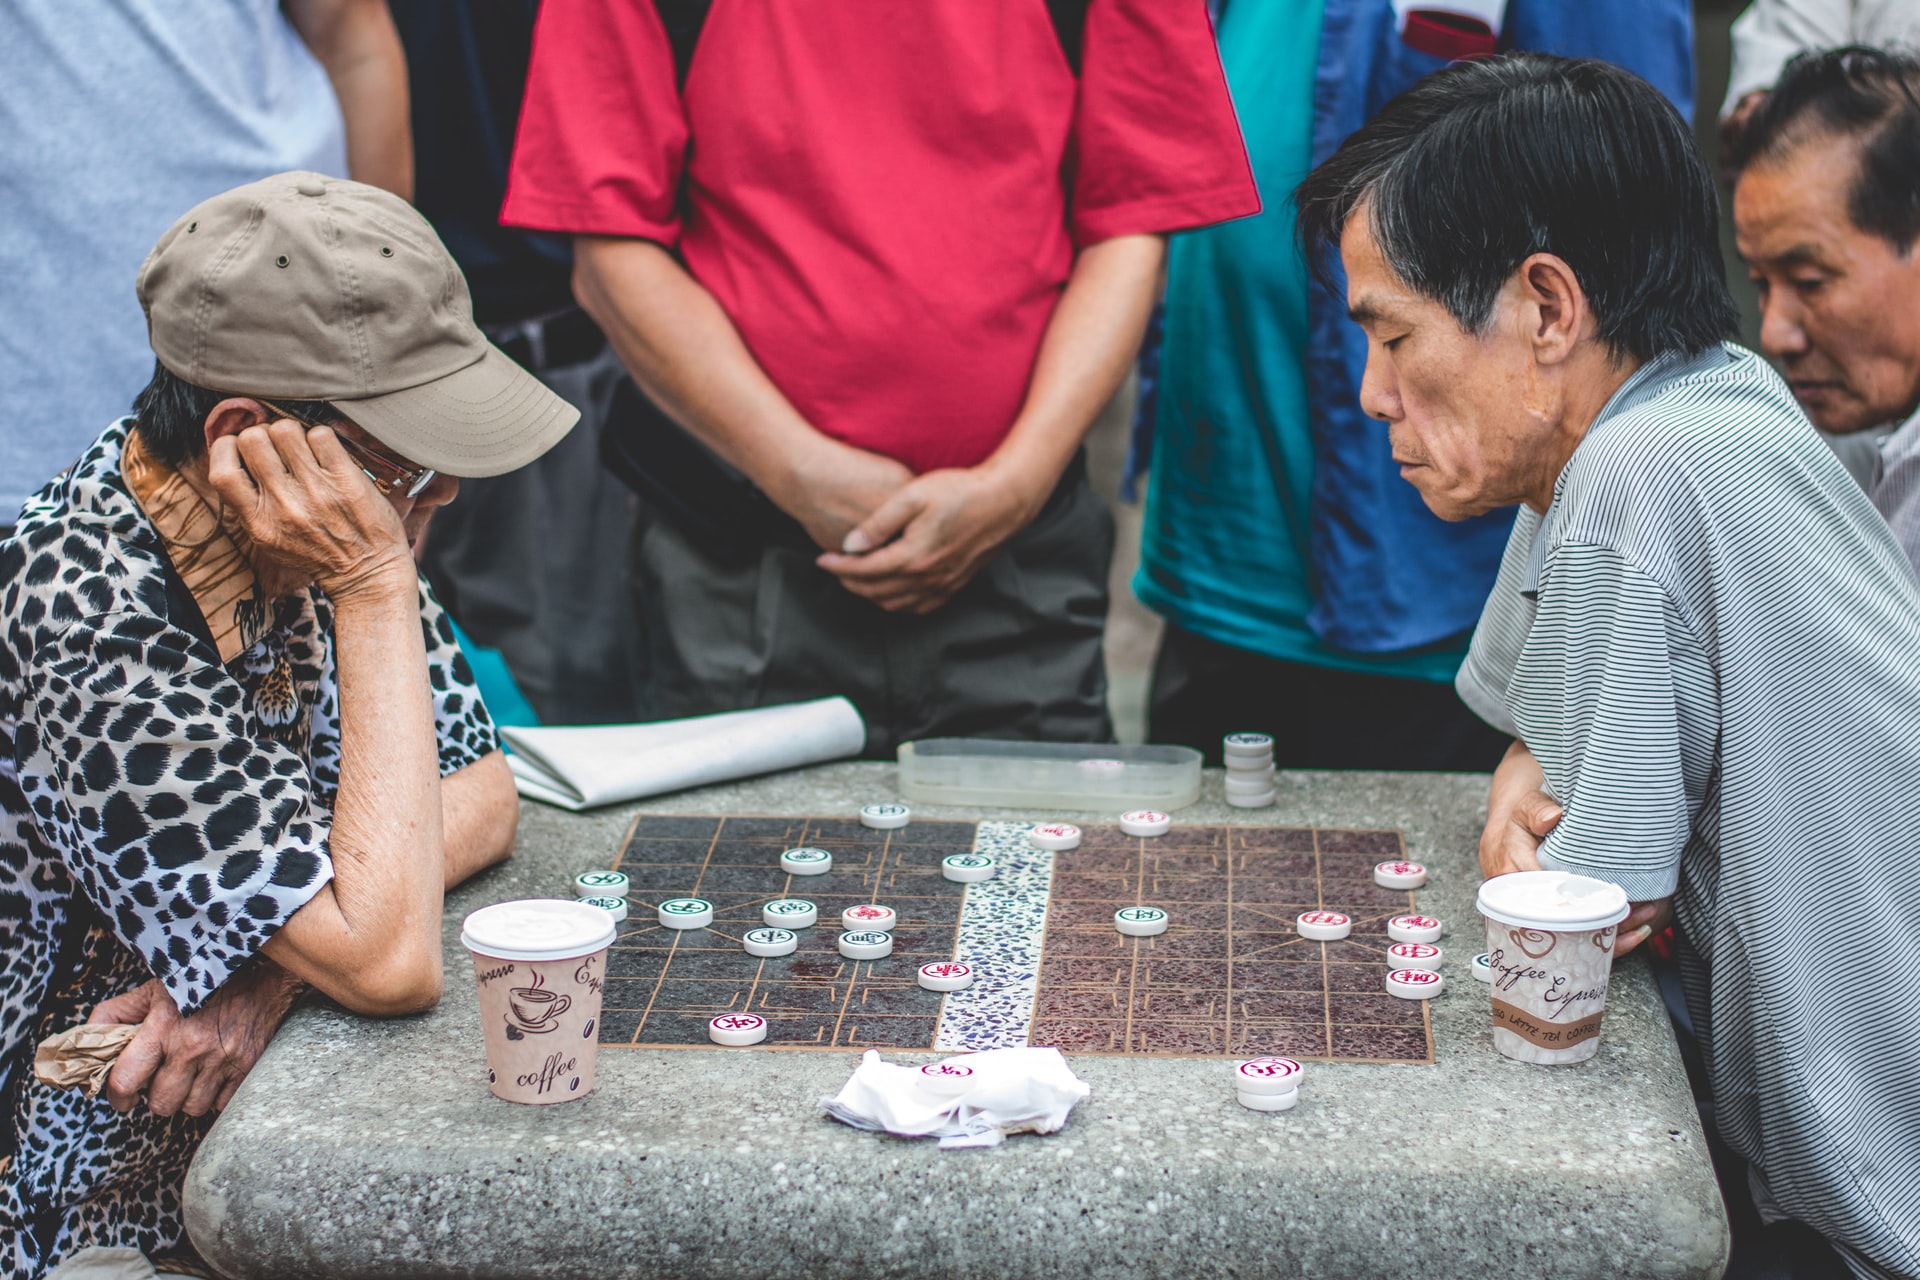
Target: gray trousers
<point>533,563</point>
<point>1015,654</point>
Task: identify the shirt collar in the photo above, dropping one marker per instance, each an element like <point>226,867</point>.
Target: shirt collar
<point>1642,385</point>
<point>207,558</point>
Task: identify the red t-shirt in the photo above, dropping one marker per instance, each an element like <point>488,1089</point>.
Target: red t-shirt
<point>884,195</point>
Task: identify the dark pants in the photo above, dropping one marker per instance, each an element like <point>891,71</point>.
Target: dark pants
<point>533,563</point>
<point>1319,718</point>
<point>1014,654</point>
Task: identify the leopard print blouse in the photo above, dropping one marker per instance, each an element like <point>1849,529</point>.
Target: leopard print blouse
<point>162,813</point>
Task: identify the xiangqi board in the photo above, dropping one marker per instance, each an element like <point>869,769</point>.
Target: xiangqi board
<point>1230,976</point>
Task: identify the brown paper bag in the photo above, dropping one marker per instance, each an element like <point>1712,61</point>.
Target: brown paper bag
<point>81,1057</point>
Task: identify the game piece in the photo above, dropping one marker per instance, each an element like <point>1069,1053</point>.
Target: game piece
<point>1249,784</point>
<point>1269,1101</point>
<point>1260,801</point>
<point>1414,955</point>
<point>945,975</point>
<point>770,942</point>
<point>947,1079</point>
<point>806,862</point>
<point>600,884</point>
<point>686,913</point>
<point>1399,875</point>
<point>1483,967</point>
<point>967,868</point>
<point>790,913</point>
<point>1145,822</point>
<point>737,1030</point>
<point>615,907</point>
<point>1266,1075</point>
<point>1246,746</point>
<point>866,944</point>
<point>885,817</point>
<point>1141,922</point>
<point>1415,984</point>
<point>1413,929</point>
<point>1055,836</point>
<point>869,916</point>
<point>1323,926</point>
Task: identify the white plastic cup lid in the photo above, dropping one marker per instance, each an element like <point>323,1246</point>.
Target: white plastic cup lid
<point>1556,901</point>
<point>538,929</point>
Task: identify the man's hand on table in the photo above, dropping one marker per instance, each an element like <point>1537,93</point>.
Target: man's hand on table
<point>194,1063</point>
<point>929,539</point>
<point>1520,816</point>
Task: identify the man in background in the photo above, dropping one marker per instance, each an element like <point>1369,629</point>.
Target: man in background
<point>879,266</point>
<point>117,115</point>
<point>1826,211</point>
<point>531,563</point>
<point>1307,590</point>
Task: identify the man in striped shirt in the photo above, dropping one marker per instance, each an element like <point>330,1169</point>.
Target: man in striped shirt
<point>1702,637</point>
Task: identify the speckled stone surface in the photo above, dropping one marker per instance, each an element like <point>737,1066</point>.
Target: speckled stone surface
<point>373,1149</point>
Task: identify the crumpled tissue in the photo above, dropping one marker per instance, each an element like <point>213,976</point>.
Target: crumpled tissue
<point>1012,1091</point>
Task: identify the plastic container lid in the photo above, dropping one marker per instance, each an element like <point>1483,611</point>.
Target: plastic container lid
<point>537,929</point>
<point>1556,901</point>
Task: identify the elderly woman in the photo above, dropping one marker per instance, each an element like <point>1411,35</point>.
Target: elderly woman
<point>1704,641</point>
<point>239,749</point>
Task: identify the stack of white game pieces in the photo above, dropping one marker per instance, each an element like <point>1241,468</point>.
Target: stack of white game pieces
<point>1267,1084</point>
<point>615,907</point>
<point>1249,769</point>
<point>600,884</point>
<point>737,1029</point>
<point>967,868</point>
<point>1055,837</point>
<point>1145,822</point>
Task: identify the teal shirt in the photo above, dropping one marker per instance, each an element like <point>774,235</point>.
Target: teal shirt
<point>1225,550</point>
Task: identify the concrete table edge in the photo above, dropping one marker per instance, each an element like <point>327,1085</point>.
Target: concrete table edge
<point>371,1149</point>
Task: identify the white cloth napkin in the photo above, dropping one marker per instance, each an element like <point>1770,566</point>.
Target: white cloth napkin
<point>1013,1091</point>
<point>578,767</point>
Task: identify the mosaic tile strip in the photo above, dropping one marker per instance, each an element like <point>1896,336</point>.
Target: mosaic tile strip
<point>1002,924</point>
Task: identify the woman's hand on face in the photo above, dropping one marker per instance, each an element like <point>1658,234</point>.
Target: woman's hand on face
<point>307,506</point>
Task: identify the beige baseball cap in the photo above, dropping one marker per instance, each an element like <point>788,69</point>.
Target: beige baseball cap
<point>304,287</point>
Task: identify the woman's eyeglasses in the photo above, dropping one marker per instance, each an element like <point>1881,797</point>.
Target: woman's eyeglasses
<point>389,474</point>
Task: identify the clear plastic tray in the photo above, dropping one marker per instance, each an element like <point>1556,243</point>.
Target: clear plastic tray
<point>1048,775</point>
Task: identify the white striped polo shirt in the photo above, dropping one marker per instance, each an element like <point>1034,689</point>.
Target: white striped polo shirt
<point>1712,643</point>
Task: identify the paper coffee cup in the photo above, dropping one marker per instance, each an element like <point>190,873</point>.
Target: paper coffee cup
<point>1550,947</point>
<point>541,964</point>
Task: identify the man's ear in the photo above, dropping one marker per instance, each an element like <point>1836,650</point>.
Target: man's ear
<point>232,416</point>
<point>1557,312</point>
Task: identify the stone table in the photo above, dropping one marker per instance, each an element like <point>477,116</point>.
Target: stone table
<point>360,1148</point>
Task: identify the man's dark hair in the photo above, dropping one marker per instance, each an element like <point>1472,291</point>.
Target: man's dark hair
<point>170,414</point>
<point>1481,165</point>
<point>1868,95</point>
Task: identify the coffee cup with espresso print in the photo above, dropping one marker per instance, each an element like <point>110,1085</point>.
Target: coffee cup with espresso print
<point>1550,938</point>
<point>540,965</point>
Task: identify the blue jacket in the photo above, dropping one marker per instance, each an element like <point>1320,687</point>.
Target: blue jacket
<point>1389,575</point>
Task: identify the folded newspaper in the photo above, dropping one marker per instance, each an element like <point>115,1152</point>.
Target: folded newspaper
<point>579,767</point>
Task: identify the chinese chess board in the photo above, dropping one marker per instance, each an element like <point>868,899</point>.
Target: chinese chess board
<point>1230,976</point>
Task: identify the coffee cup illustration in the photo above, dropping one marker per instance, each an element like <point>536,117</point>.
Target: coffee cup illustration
<point>534,1008</point>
